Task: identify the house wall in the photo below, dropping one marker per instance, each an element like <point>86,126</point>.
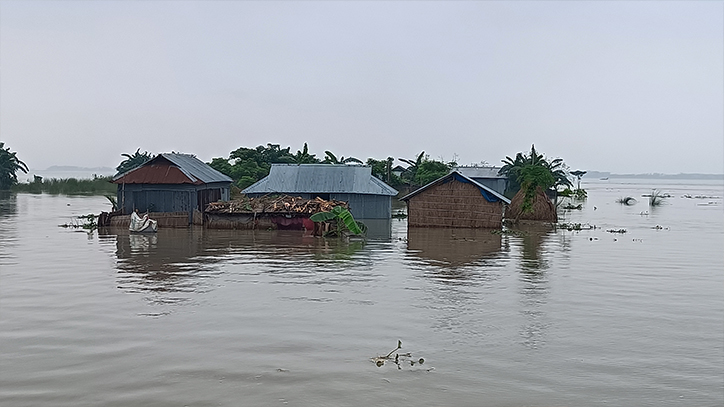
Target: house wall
<point>168,197</point>
<point>366,206</point>
<point>455,205</point>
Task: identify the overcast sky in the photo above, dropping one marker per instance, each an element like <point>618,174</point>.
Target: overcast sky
<point>611,86</point>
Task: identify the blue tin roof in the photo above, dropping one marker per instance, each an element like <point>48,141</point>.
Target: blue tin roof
<point>320,178</point>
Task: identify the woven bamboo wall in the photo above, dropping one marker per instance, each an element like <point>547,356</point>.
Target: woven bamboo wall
<point>454,205</point>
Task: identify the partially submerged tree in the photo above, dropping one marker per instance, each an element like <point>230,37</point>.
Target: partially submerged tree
<point>9,166</point>
<point>513,166</point>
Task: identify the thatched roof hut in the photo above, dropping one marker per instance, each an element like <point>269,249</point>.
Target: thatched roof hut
<point>542,208</point>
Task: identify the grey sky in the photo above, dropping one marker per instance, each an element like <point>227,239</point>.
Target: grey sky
<point>610,86</point>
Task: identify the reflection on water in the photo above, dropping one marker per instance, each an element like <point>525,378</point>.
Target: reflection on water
<point>8,203</point>
<point>534,280</point>
<point>172,264</point>
<point>453,248</point>
<point>542,318</point>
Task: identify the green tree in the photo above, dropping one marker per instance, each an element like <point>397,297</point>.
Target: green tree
<point>9,166</point>
<point>410,174</point>
<point>248,165</point>
<point>513,166</point>
<point>430,170</point>
<point>132,161</point>
<point>331,159</point>
<point>534,178</point>
<point>383,170</point>
<point>304,157</point>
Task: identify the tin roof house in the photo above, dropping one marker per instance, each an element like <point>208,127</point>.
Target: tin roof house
<point>455,201</point>
<point>487,176</point>
<point>172,183</point>
<point>368,197</point>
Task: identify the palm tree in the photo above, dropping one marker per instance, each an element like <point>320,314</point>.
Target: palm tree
<point>331,159</point>
<point>132,161</point>
<point>9,165</point>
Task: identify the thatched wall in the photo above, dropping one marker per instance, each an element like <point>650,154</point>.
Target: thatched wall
<point>543,209</point>
<point>454,205</point>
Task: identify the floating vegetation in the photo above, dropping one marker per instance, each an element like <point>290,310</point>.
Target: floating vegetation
<point>617,230</point>
<point>400,359</point>
<point>571,206</point>
<point>88,222</point>
<point>627,200</point>
<point>688,196</point>
<point>575,226</point>
<point>656,198</point>
<point>512,232</point>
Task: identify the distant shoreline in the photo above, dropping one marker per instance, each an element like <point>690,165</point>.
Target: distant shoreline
<point>590,175</point>
<point>598,175</point>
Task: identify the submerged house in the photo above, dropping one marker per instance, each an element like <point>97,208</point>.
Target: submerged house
<point>368,197</point>
<point>455,201</point>
<point>178,184</point>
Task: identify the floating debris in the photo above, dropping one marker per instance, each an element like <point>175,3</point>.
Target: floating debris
<point>399,358</point>
<point>275,204</point>
<point>88,222</point>
<point>575,226</point>
<point>617,230</point>
<point>570,206</point>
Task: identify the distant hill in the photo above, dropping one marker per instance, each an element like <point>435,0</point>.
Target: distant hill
<point>599,174</point>
<point>58,168</point>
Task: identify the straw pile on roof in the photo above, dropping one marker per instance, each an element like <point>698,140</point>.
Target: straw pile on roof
<point>543,208</point>
<point>283,204</point>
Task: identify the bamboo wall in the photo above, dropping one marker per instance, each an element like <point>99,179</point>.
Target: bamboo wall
<point>454,205</point>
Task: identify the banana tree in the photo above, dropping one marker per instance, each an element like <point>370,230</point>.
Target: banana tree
<point>343,220</point>
<point>9,165</point>
<point>332,159</point>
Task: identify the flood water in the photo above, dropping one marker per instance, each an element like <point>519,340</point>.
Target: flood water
<point>262,318</point>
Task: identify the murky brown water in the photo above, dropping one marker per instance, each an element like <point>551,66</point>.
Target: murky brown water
<point>208,318</point>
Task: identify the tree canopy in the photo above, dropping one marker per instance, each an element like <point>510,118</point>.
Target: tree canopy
<point>513,168</point>
<point>132,161</point>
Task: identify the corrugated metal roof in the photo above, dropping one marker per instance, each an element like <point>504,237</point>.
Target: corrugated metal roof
<point>172,168</point>
<point>452,175</point>
<point>320,178</point>
<point>479,172</point>
<point>196,168</point>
